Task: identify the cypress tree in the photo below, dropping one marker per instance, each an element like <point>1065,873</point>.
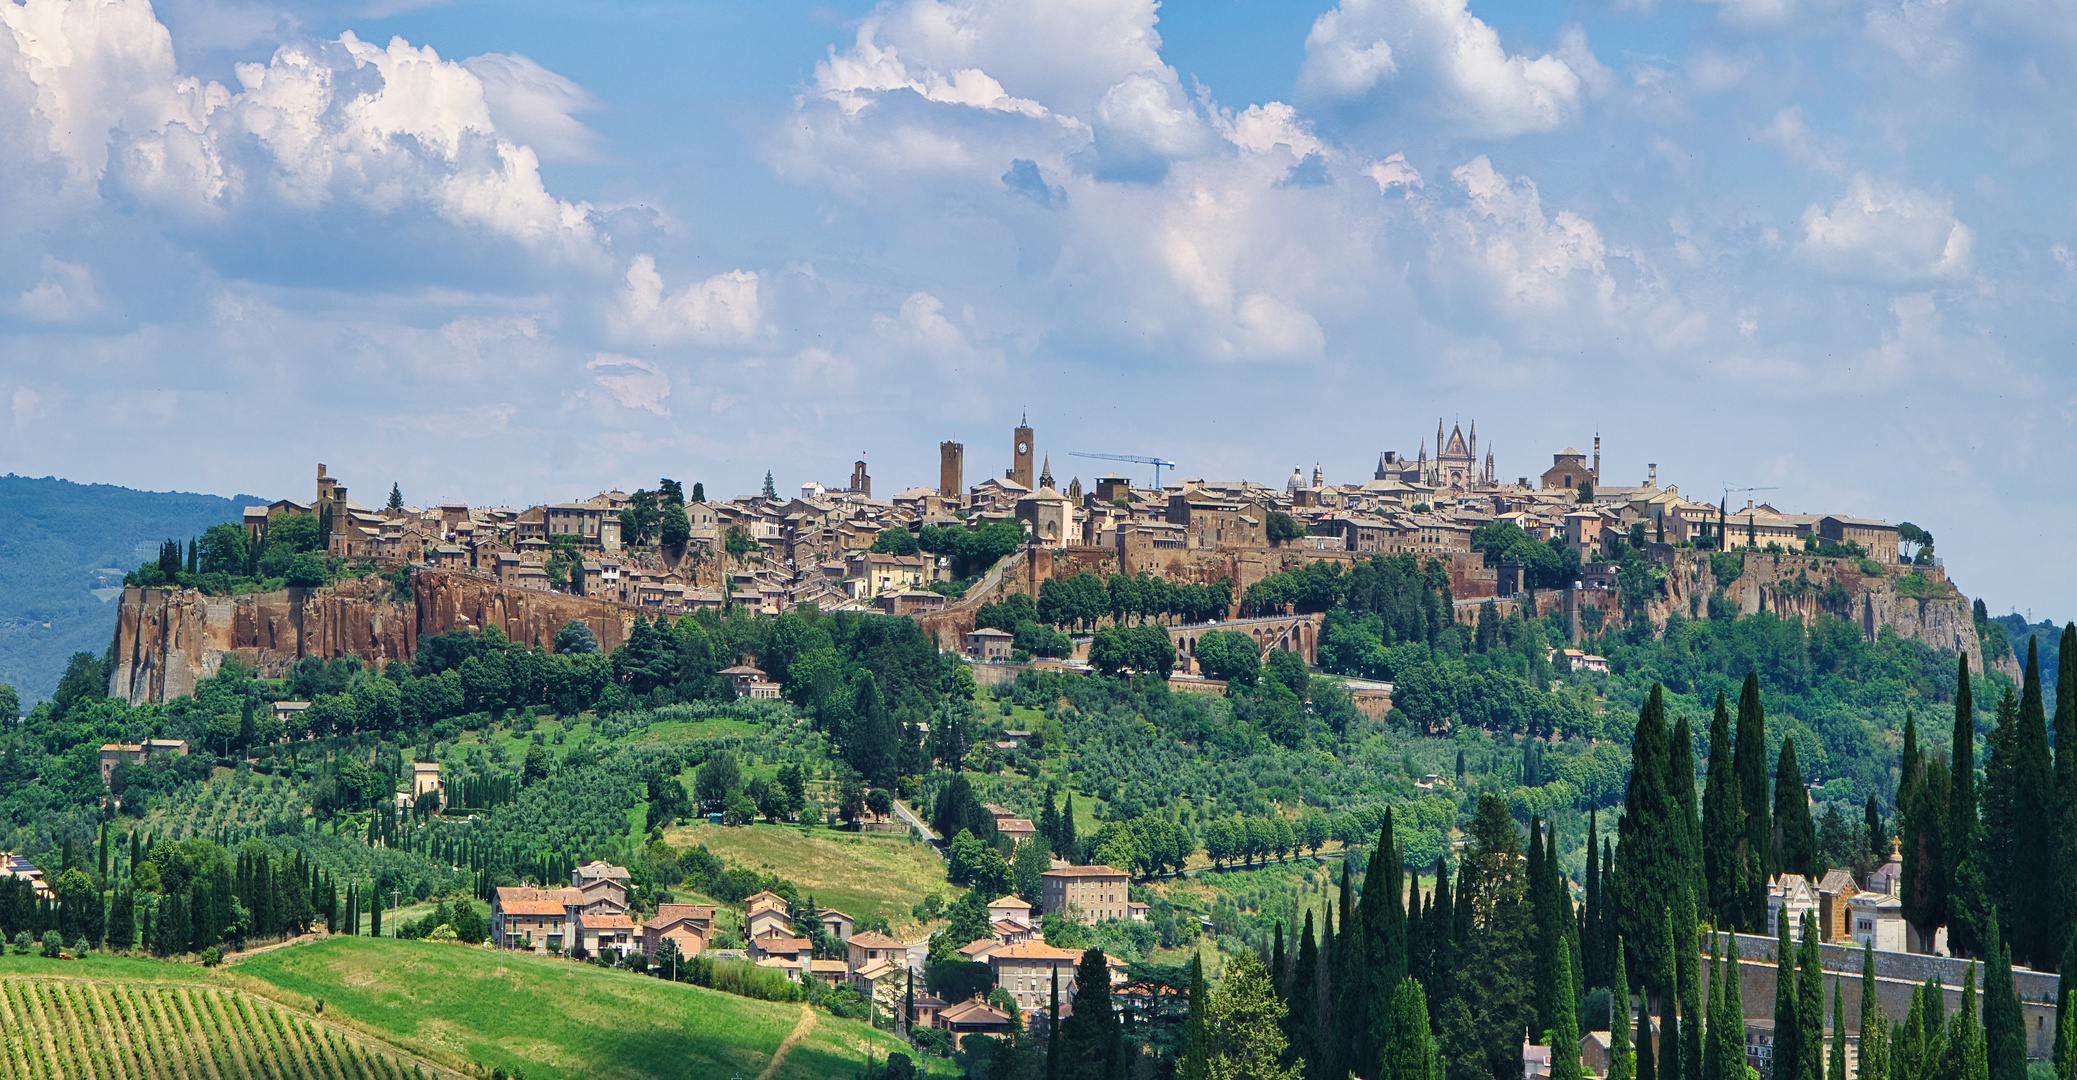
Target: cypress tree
<point>1749,762</point>
<point>1590,917</point>
<point>1795,835</point>
<point>1875,1028</point>
<point>136,855</point>
<point>1303,1014</point>
<point>1672,1048</point>
<point>1788,1054</point>
<point>1564,1029</point>
<point>1687,948</point>
<point>1966,899</point>
<point>1410,1053</point>
<point>2004,1024</point>
<point>1439,926</point>
<point>1648,870</point>
<point>1908,1047</point>
<point>2062,840</point>
<point>1277,975</point>
<point>1835,1066</point>
<point>1610,945</point>
<point>2065,1035</point>
<point>1194,1063</point>
<point>1810,1005</point>
<point>2019,799</point>
<point>1069,844</point>
<point>2065,990</point>
<point>1732,1033</point>
<point>1380,962</point>
<point>1712,1048</point>
<point>1871,827</point>
<point>1965,1057</point>
<point>1053,1016</point>
<point>1544,937</point>
<point>1723,825</point>
<point>1647,1061</point>
<point>1091,1043</point>
<point>1680,782</point>
<point>1620,1065</point>
<point>122,919</point>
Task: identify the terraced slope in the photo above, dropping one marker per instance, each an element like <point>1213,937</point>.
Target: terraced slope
<point>79,1029</point>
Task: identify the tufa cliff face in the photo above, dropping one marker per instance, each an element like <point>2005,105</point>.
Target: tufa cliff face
<point>166,640</point>
<point>1798,586</point>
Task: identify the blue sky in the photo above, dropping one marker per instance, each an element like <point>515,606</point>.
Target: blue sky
<point>523,251</point>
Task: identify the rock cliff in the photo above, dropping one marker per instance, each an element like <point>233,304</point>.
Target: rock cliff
<point>166,640</point>
<point>1797,586</point>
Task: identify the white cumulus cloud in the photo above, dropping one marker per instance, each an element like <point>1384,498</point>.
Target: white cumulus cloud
<point>636,384</point>
<point>388,130</point>
<point>1438,52</point>
<point>721,310</point>
<point>1885,231</point>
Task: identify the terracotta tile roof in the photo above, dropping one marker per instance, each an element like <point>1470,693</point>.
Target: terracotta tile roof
<point>979,948</point>
<point>1097,870</point>
<point>606,922</point>
<point>877,971</point>
<point>1033,950</point>
<point>535,907</point>
<point>873,939</point>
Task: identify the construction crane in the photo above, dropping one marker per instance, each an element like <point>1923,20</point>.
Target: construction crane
<point>1730,490</point>
<point>1157,463</point>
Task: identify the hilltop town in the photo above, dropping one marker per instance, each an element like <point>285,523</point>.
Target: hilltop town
<point>1009,768</point>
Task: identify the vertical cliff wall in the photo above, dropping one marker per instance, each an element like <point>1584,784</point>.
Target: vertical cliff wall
<point>167,640</point>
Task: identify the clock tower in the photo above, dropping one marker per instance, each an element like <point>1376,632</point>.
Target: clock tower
<point>1020,461</point>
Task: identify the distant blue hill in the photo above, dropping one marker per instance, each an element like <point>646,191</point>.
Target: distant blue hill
<point>64,548</point>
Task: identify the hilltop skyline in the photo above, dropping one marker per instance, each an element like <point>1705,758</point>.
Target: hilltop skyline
<point>521,253</point>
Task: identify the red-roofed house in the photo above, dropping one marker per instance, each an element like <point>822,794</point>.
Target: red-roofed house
<point>1026,970</point>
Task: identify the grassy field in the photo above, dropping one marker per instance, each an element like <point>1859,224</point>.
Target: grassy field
<point>461,1006</point>
<point>857,873</point>
<point>70,1022</point>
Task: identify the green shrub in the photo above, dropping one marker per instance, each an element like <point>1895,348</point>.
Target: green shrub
<point>1871,568</point>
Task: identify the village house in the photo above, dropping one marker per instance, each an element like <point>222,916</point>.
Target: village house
<point>113,754</point>
<point>589,914</point>
<point>972,1017</point>
<point>688,926</point>
<point>1026,971</point>
<point>837,924</point>
<point>1087,894</point>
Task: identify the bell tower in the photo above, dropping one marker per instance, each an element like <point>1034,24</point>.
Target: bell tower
<point>1020,460</point>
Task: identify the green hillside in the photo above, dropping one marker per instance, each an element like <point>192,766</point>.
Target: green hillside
<point>63,550</point>
<point>95,1028</point>
<point>463,1006</point>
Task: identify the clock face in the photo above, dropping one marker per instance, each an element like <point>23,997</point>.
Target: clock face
<point>1023,449</point>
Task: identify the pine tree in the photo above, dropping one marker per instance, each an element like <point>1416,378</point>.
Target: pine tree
<point>1564,1029</point>
<point>1194,1061</point>
<point>1967,902</point>
<point>1788,1053</point>
<point>396,498</point>
<point>1749,761</point>
<point>1648,870</point>
<point>770,492</point>
<point>1795,835</point>
<point>1723,825</point>
<point>1620,1063</point>
<point>1247,1037</point>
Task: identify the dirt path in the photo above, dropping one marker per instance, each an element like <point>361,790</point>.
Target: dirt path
<point>232,958</point>
<point>799,1032</point>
